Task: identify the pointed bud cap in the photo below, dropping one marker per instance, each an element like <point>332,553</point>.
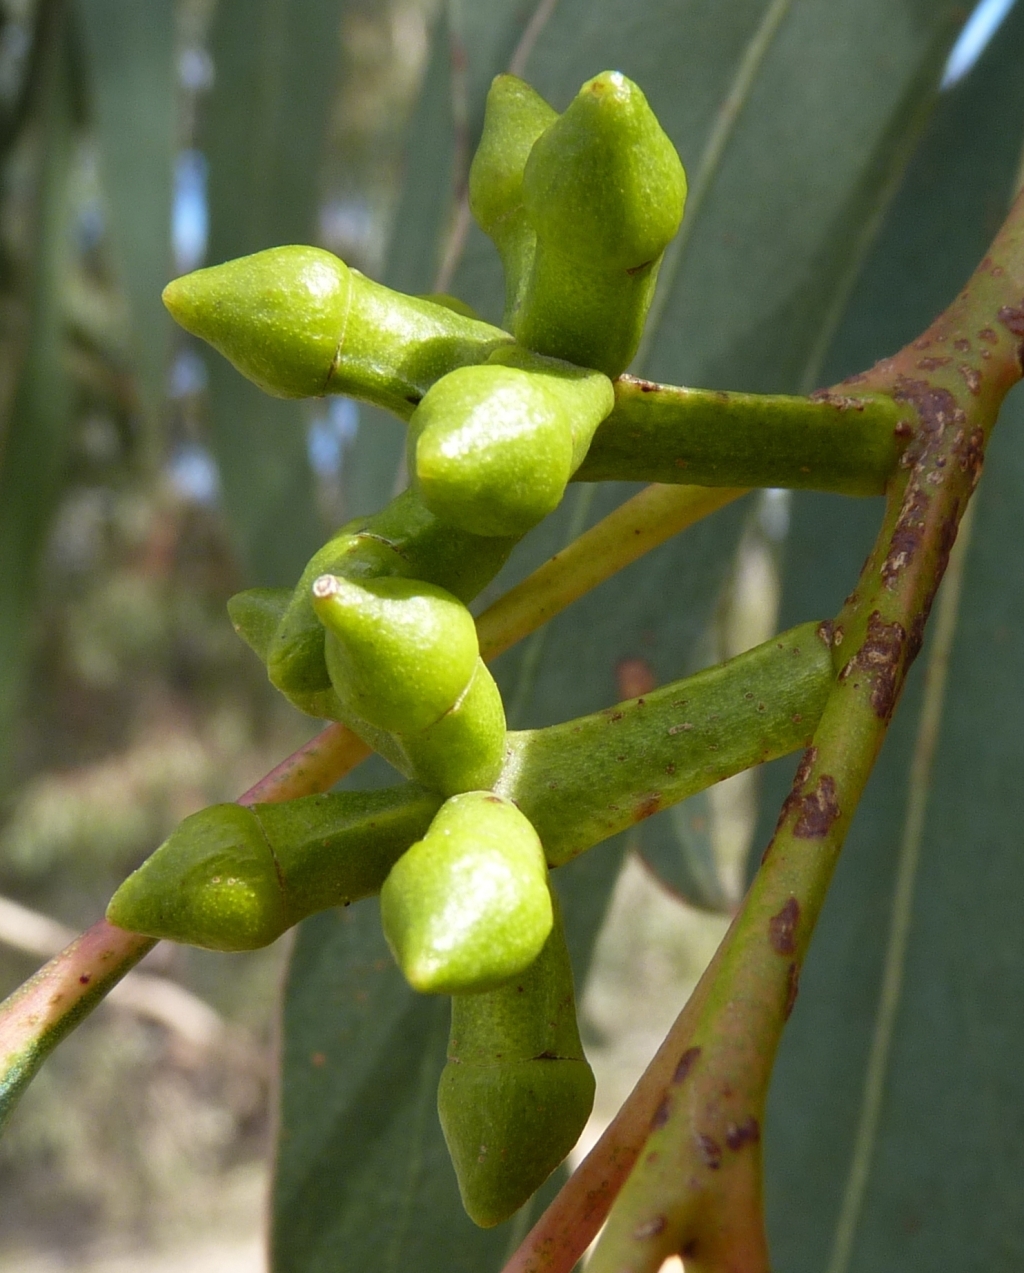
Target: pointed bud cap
<point>213,883</point>
<point>468,906</point>
<point>514,117</point>
<point>400,652</point>
<point>491,450</point>
<point>507,1128</point>
<point>517,1090</point>
<point>604,183</point>
<point>278,316</point>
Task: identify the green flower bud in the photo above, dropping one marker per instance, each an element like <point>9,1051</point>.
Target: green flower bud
<point>278,316</point>
<point>517,1090</point>
<point>587,396</point>
<point>514,117</point>
<point>604,191</point>
<point>234,878</point>
<point>468,906</point>
<point>400,652</point>
<point>295,654</point>
<point>212,884</point>
<point>299,323</point>
<point>490,450</point>
<point>465,750</point>
<point>255,615</point>
<point>404,538</point>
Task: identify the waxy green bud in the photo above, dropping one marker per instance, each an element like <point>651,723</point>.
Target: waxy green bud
<point>278,316</point>
<point>514,117</point>
<point>468,906</point>
<point>234,878</point>
<point>604,191</point>
<point>212,884</point>
<point>404,538</point>
<point>294,656</point>
<point>587,396</point>
<point>400,652</point>
<point>492,448</point>
<point>465,749</point>
<point>517,1090</point>
<point>299,323</point>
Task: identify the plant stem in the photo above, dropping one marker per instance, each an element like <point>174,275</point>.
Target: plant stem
<point>315,767</point>
<point>49,1005</point>
<point>842,441</point>
<point>903,898</point>
<point>651,517</point>
<point>586,779</point>
<point>696,1191</point>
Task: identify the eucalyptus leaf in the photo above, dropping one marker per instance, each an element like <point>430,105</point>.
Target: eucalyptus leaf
<point>893,1138</point>
<point>679,849</point>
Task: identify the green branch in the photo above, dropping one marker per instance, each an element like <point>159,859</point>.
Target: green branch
<point>843,441</point>
<point>697,1188</point>
<point>651,517</point>
<point>234,879</point>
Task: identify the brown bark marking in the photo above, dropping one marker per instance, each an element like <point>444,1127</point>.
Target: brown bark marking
<point>746,1133</point>
<point>818,810</point>
<point>807,763</point>
<point>792,989</point>
<point>936,408</point>
<point>881,657</point>
<point>647,805</point>
<point>660,1117</point>
<point>841,401</point>
<point>907,535</point>
<point>686,1063</point>
<point>972,378</point>
<point>782,928</point>
<point>1012,318</point>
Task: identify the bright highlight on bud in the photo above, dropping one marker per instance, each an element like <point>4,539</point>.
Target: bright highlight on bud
<point>400,652</point>
<point>468,906</point>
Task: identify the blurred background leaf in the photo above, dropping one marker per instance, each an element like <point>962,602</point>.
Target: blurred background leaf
<point>35,441</point>
<point>129,54</point>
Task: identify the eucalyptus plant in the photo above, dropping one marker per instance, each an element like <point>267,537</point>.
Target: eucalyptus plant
<point>376,636</point>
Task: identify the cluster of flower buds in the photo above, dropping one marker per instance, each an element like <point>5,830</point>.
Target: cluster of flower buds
<point>377,632</point>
